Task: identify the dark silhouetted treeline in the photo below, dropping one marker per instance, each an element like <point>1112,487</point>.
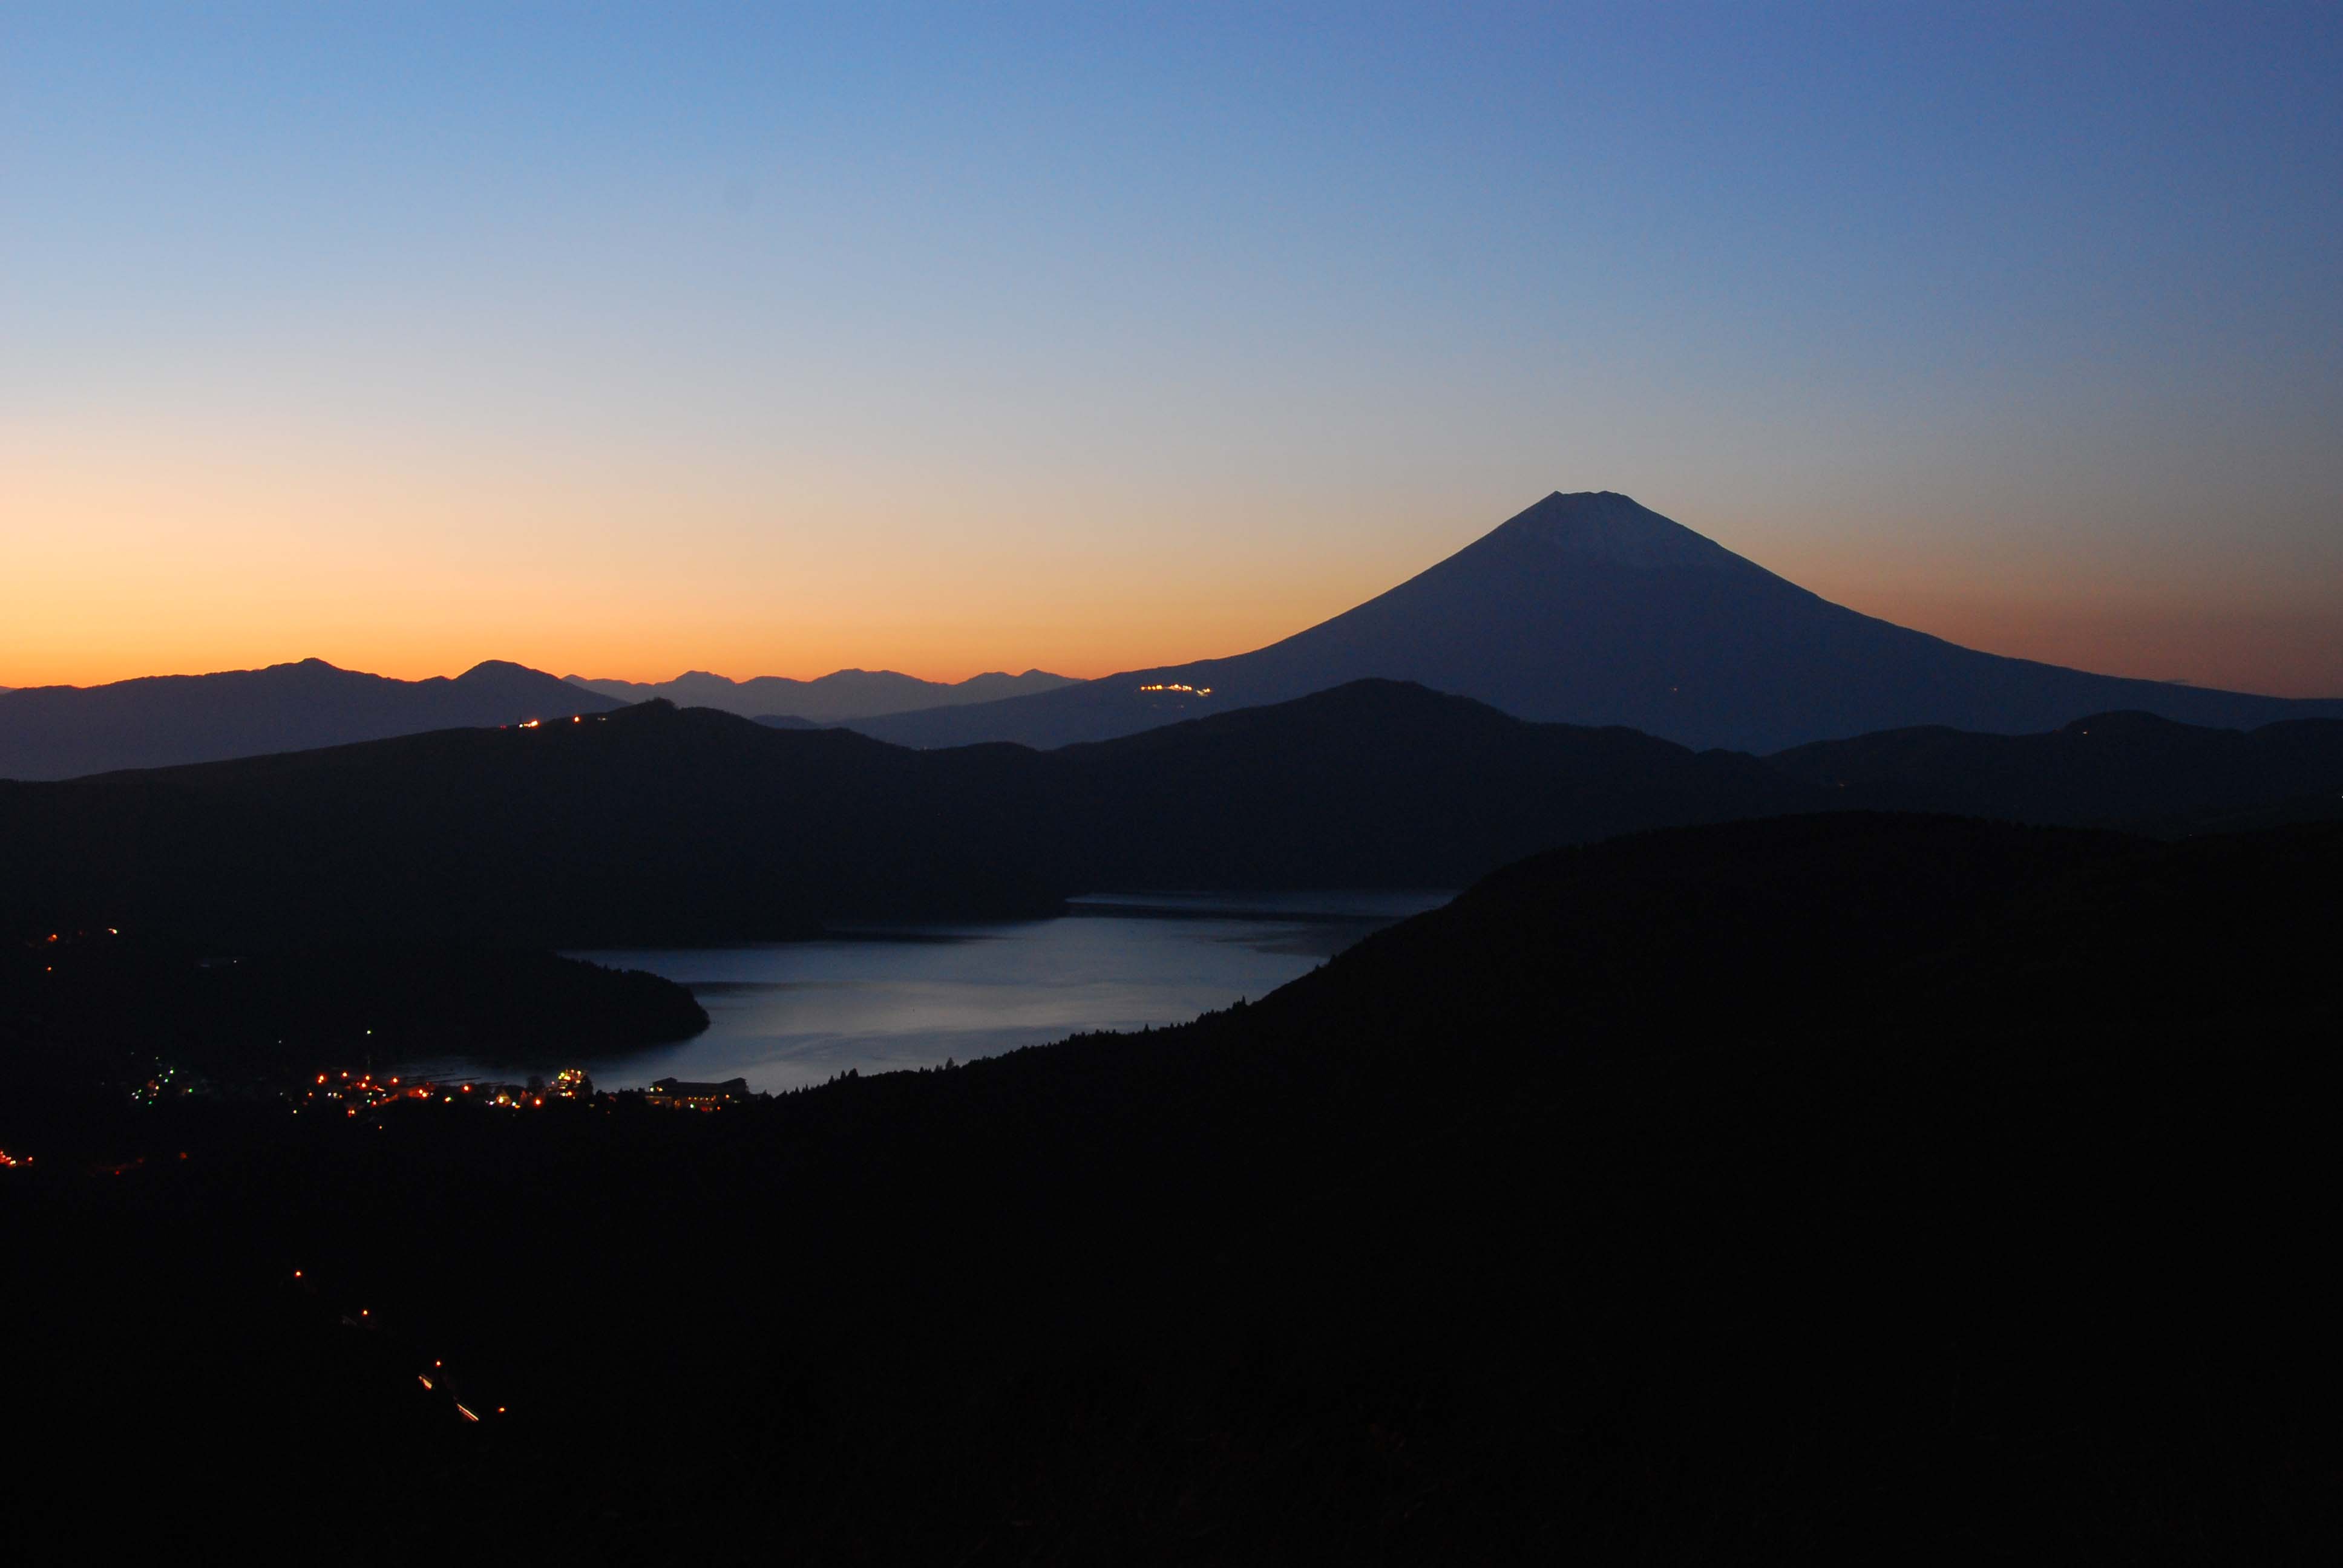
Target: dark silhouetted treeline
<point>1789,1190</point>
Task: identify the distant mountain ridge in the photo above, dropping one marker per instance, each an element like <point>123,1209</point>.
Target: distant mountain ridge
<point>841,695</point>
<point>1591,610</point>
<point>166,720</point>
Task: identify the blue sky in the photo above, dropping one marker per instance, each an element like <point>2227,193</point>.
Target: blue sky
<point>771,339</point>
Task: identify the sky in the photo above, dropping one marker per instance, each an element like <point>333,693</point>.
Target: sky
<point>771,340</point>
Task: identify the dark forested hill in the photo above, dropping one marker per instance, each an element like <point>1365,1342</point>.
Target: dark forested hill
<point>1589,608</point>
<point>655,824</point>
<point>94,1007</point>
<point>65,731</point>
<point>1823,1189</point>
<point>2109,768</point>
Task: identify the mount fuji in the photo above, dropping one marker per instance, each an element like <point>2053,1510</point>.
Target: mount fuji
<point>1589,608</point>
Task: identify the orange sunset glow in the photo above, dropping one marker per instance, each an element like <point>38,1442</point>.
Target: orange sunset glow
<point>186,562</point>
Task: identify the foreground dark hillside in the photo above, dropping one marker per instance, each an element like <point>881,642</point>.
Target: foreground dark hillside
<point>1904,1186</point>
<point>657,825</point>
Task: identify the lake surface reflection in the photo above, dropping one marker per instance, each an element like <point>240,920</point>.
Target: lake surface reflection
<point>886,999</point>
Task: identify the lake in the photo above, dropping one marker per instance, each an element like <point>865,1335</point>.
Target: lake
<point>787,1014</point>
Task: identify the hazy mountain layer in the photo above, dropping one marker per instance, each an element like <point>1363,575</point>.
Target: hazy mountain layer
<point>1589,608</point>
<point>163,720</point>
<point>841,694</point>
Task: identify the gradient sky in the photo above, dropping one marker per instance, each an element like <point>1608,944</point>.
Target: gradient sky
<point>770,341</point>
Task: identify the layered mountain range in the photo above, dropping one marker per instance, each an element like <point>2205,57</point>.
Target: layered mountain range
<point>657,825</point>
<point>1592,609</point>
<point>168,720</point>
<point>163,720</point>
<point>1585,609</point>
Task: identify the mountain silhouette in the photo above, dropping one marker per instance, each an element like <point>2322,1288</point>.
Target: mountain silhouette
<point>165,720</point>
<point>840,695</point>
<point>655,824</point>
<point>658,825</point>
<point>1591,610</point>
<point>2109,769</point>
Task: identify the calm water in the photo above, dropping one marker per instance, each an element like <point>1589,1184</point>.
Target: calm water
<point>789,1014</point>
